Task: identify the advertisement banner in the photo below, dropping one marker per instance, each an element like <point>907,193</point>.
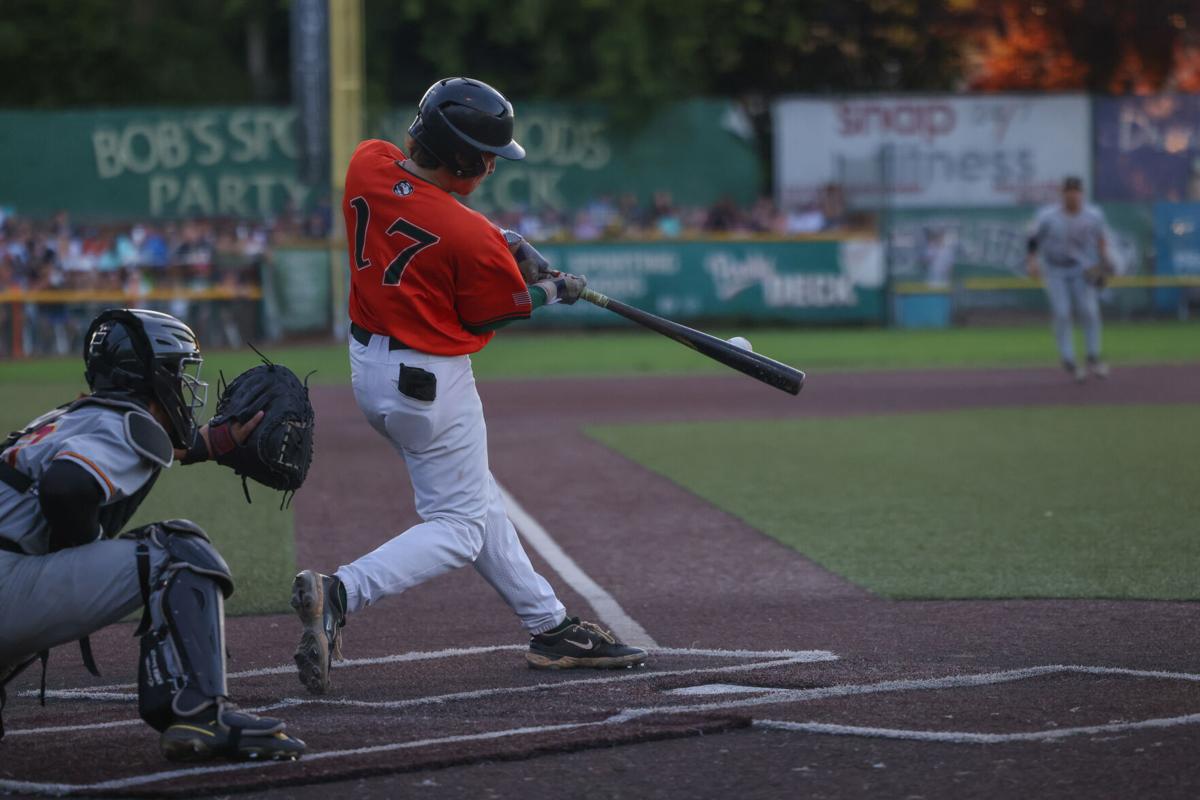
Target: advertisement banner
<point>940,246</point>
<point>298,290</point>
<point>151,162</point>
<point>698,151</point>
<point>1147,148</point>
<point>780,281</point>
<point>1177,242</point>
<point>930,150</point>
<point>936,245</point>
<point>245,162</point>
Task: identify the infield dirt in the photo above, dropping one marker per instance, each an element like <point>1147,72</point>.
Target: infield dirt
<point>697,580</point>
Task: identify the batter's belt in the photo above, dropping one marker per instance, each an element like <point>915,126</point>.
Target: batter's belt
<point>363,337</point>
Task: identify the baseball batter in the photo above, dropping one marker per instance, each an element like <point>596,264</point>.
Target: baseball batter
<point>70,481</point>
<point>1072,241</point>
<point>431,281</point>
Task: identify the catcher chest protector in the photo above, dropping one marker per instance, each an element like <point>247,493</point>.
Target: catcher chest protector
<point>459,119</point>
<point>181,671</point>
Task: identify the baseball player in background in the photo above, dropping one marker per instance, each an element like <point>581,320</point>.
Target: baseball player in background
<point>1071,239</point>
<point>431,281</point>
<point>70,481</point>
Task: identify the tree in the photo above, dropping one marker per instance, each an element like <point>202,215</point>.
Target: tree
<point>56,53</point>
<point>1095,45</point>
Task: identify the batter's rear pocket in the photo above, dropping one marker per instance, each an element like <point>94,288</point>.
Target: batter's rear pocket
<point>417,383</point>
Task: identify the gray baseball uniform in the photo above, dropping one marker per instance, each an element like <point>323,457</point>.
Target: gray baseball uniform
<point>47,599</point>
<point>1068,244</point>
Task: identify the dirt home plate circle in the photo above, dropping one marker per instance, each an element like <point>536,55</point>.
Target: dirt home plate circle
<point>742,342</point>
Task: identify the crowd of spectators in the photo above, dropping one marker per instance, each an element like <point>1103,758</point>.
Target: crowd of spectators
<point>89,264</point>
<point>608,217</point>
<point>159,264</point>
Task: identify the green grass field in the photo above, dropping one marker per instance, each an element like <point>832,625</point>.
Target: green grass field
<point>1044,502</point>
<point>257,539</point>
<point>519,354</point>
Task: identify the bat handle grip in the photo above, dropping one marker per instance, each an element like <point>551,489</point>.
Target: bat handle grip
<point>594,297</point>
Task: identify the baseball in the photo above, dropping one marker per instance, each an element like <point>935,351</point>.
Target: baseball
<point>742,342</point>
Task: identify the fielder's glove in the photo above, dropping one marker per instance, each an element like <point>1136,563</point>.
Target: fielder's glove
<point>278,451</point>
<point>1099,274</point>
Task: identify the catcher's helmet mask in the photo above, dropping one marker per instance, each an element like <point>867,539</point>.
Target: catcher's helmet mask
<point>460,119</point>
<point>147,355</point>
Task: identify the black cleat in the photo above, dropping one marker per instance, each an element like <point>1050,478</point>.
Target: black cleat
<point>222,731</point>
<point>581,645</point>
<point>320,602</point>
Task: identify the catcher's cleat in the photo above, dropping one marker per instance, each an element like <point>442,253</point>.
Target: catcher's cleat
<point>575,645</point>
<point>222,731</point>
<point>320,602</point>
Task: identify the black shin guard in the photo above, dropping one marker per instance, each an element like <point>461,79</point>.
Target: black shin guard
<point>182,667</point>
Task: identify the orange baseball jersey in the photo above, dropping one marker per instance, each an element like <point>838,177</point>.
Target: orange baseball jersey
<point>422,265</point>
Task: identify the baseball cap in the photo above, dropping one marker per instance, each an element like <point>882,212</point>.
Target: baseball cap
<point>1072,182</point>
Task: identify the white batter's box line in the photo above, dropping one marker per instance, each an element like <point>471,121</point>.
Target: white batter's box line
<point>60,789</point>
<point>605,605</point>
<point>286,669</point>
<point>784,696</point>
<point>644,673</point>
<point>967,737</point>
<point>127,691</point>
<point>637,675</point>
<point>287,702</point>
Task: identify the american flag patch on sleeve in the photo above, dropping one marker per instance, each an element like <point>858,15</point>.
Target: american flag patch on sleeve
<point>522,299</point>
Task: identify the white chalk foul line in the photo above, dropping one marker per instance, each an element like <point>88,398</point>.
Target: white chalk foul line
<point>605,605</point>
<point>967,737</point>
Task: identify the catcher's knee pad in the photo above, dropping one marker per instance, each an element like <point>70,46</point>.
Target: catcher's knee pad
<point>182,666</point>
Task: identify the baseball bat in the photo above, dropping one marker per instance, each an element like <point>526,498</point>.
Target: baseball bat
<point>767,370</point>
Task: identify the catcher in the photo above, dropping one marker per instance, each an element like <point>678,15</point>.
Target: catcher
<point>69,483</point>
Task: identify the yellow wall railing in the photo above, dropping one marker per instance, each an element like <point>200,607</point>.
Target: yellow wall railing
<point>128,299</point>
<point>1015,284</point>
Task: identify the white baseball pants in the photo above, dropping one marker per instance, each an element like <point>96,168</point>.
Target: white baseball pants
<point>444,445</point>
<point>1066,287</point>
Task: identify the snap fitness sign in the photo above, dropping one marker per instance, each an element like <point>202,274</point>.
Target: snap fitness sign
<point>923,151</point>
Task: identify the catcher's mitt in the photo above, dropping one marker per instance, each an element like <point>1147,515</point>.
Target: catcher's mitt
<point>277,453</point>
<point>1099,274</point>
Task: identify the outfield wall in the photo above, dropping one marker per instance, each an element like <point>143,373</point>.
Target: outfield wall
<point>821,280</point>
<point>953,261</point>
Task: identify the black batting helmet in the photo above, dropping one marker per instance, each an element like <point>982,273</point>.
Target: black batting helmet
<point>147,355</point>
<point>460,119</point>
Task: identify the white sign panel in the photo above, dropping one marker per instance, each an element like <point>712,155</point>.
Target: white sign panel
<point>936,150</point>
